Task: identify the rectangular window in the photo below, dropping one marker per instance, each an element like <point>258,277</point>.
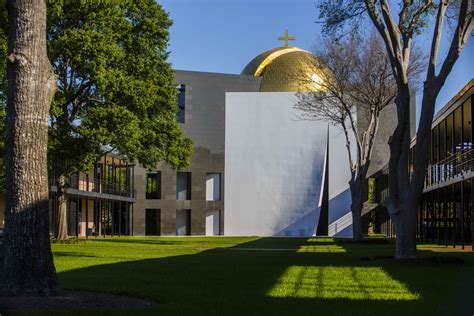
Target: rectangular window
<point>213,219</point>
<point>458,129</point>
<point>181,102</point>
<point>467,124</point>
<point>435,147</point>
<point>152,222</point>
<point>449,135</point>
<point>153,185</point>
<point>442,140</point>
<point>213,187</point>
<point>183,222</point>
<point>183,186</point>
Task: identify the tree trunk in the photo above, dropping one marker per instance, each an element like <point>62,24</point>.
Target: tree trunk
<point>405,228</point>
<point>28,267</point>
<point>357,195</point>
<point>398,206</point>
<point>61,198</point>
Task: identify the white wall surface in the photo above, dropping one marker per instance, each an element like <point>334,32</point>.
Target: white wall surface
<point>274,167</point>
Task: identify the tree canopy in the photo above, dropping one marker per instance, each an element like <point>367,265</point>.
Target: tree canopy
<point>115,86</point>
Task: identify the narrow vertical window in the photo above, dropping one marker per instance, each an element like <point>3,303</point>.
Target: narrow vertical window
<point>467,124</point>
<point>183,186</point>
<point>181,102</point>
<point>213,187</point>
<point>153,185</point>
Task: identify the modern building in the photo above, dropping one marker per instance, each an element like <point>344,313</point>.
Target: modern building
<point>100,201</point>
<point>257,168</point>
<point>446,212</point>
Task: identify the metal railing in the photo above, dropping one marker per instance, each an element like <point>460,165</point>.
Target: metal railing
<point>447,169</point>
<point>340,224</point>
<point>83,182</point>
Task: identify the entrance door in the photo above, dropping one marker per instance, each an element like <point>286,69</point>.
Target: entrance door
<point>152,222</point>
<point>183,222</point>
<point>213,223</point>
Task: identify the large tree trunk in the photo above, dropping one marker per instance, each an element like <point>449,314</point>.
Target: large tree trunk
<point>405,228</point>
<point>61,199</point>
<point>27,260</point>
<point>398,206</point>
<point>357,188</point>
<point>405,192</point>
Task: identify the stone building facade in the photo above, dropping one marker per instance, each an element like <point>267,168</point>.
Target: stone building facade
<point>184,201</point>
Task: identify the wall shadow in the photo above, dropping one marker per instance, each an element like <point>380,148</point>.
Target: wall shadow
<point>286,276</point>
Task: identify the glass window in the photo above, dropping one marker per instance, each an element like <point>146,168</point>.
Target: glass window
<point>442,140</point>
<point>181,102</point>
<point>152,222</point>
<point>183,186</point>
<point>458,129</point>
<point>213,187</point>
<point>183,222</point>
<point>467,124</point>
<point>449,135</point>
<point>434,142</point>
<point>153,185</point>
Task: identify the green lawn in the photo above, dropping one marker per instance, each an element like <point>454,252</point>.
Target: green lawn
<point>254,276</point>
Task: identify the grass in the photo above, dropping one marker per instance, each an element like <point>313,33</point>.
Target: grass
<point>254,276</point>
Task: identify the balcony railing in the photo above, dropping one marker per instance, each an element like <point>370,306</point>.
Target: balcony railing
<point>85,183</point>
<point>449,168</point>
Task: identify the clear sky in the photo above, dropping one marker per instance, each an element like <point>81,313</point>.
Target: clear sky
<point>224,35</point>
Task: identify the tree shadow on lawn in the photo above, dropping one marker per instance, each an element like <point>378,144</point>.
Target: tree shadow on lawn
<point>168,241</point>
<point>291,276</point>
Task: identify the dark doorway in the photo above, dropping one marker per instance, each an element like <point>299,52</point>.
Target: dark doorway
<point>152,222</point>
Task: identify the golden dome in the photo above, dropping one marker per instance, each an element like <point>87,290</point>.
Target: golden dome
<point>286,69</point>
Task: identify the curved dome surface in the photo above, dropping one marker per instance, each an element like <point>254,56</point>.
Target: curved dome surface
<point>286,69</point>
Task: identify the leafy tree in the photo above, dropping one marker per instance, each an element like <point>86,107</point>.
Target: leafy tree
<point>398,31</point>
<point>27,266</point>
<point>115,89</point>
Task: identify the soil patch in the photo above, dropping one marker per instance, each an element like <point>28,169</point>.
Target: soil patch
<point>73,300</point>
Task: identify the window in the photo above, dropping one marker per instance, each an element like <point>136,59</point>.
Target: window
<point>467,124</point>
<point>213,187</point>
<point>152,222</point>
<point>183,222</point>
<point>183,186</point>
<point>442,140</point>
<point>449,135</point>
<point>458,129</point>
<point>153,185</point>
<point>181,102</point>
<point>435,147</point>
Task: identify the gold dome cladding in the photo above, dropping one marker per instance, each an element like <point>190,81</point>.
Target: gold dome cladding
<point>287,69</point>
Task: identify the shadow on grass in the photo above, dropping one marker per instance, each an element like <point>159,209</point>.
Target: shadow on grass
<point>289,276</point>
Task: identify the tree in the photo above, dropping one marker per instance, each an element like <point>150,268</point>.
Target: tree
<point>359,84</point>
<point>27,263</point>
<point>398,34</point>
<point>115,89</point>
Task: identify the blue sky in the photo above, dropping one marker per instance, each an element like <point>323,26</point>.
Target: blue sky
<point>224,35</point>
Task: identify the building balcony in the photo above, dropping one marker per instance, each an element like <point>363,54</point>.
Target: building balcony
<point>83,185</point>
<point>454,168</point>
